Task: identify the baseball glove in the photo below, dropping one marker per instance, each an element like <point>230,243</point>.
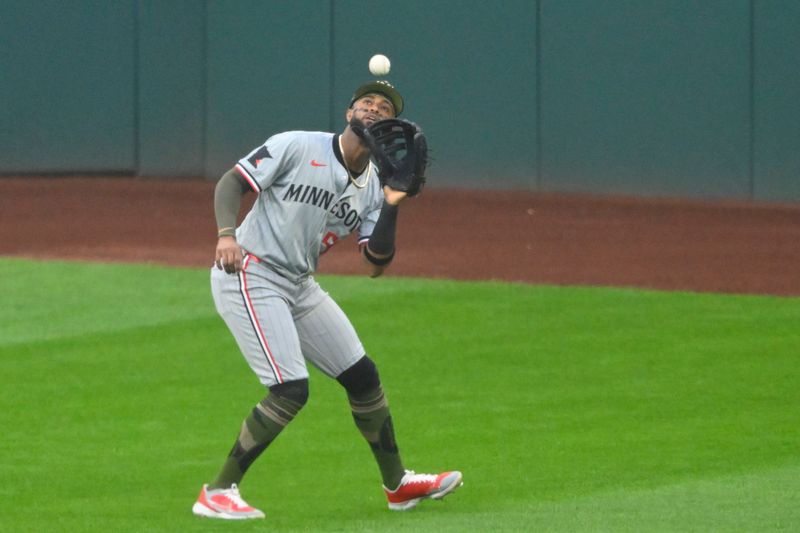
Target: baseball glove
<point>400,152</point>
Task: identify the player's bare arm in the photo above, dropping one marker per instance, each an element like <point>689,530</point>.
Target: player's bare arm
<point>227,201</point>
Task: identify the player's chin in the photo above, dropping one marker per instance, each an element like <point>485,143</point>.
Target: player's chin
<point>356,124</point>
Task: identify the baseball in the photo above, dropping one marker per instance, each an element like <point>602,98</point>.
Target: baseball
<point>379,65</point>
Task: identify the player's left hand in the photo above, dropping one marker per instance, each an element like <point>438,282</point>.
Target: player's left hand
<point>229,255</point>
<point>400,151</point>
<point>394,197</point>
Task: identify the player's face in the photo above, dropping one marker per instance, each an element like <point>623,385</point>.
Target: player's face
<point>371,108</point>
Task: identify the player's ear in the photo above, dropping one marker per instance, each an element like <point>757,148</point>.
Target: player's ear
<point>348,114</point>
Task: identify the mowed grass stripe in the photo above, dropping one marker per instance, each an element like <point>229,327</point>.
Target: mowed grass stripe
<point>52,300</point>
<point>760,500</point>
<point>566,408</point>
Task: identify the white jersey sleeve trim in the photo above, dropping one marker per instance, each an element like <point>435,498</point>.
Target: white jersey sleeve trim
<point>248,177</point>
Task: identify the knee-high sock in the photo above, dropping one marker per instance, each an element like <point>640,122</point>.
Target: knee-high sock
<point>259,429</point>
<point>372,417</point>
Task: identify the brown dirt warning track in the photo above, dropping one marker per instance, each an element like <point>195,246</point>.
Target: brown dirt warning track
<point>730,247</point>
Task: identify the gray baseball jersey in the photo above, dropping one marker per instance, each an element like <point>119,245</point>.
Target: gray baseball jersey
<point>276,311</point>
<point>305,202</point>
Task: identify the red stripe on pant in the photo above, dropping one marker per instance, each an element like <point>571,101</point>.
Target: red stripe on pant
<point>262,339</point>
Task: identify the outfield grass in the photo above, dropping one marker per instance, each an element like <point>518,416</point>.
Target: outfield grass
<point>567,409</point>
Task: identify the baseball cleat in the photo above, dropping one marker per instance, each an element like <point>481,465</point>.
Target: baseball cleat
<point>224,503</point>
<point>417,487</point>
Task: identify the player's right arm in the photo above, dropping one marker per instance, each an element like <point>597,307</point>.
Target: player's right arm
<point>255,172</point>
<point>228,194</point>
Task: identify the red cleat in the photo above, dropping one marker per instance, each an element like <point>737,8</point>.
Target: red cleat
<point>224,503</point>
<point>416,487</point>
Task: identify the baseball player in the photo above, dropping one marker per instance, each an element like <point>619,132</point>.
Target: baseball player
<point>313,188</point>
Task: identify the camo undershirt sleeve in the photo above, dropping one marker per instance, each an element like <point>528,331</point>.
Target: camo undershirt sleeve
<point>228,199</point>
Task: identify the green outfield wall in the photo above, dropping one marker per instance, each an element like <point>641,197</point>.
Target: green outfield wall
<point>647,97</point>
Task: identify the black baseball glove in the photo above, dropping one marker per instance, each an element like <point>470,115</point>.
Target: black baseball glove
<point>400,152</point>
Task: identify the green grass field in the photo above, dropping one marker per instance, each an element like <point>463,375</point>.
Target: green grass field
<point>567,409</point>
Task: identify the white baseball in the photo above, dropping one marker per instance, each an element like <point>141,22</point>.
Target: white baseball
<point>379,65</point>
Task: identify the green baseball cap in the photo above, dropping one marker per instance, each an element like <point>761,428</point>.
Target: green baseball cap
<point>381,87</point>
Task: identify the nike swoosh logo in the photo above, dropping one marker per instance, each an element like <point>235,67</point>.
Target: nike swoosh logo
<point>314,163</point>
<point>222,503</point>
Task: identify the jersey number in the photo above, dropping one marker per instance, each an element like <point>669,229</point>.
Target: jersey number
<point>328,240</point>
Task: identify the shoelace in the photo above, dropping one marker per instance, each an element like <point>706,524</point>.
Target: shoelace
<point>417,478</point>
<point>233,495</point>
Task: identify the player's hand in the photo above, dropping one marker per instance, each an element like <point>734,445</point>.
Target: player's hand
<point>229,255</point>
<point>393,197</point>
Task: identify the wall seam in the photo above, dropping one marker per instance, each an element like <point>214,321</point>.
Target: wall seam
<point>136,90</point>
<point>537,39</point>
<point>204,89</point>
<point>752,110</point>
<point>331,66</point>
